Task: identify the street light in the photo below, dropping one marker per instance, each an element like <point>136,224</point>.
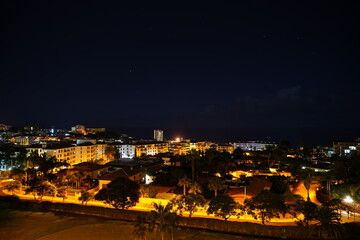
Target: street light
<point>349,200</point>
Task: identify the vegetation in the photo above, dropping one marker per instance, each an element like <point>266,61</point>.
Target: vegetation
<point>140,227</point>
<point>190,203</point>
<point>85,197</point>
<point>222,206</point>
<point>184,182</point>
<point>328,222</point>
<point>216,184</point>
<point>62,193</point>
<point>265,206</point>
<point>147,191</point>
<point>112,153</point>
<point>163,219</point>
<point>195,188</point>
<point>15,185</point>
<point>120,193</point>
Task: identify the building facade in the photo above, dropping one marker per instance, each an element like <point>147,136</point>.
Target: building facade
<point>151,148</point>
<point>254,145</point>
<point>346,149</point>
<point>159,135</point>
<point>73,154</point>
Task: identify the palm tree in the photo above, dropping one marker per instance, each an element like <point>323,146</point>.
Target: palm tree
<point>328,222</point>
<point>216,184</point>
<point>183,182</point>
<point>193,156</point>
<point>195,188</point>
<point>163,219</point>
<point>140,227</point>
<point>307,177</point>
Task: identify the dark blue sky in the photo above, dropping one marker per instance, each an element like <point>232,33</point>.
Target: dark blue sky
<point>252,64</point>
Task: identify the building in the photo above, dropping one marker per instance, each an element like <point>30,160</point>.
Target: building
<point>179,147</point>
<point>346,149</point>
<point>4,127</point>
<point>78,129</point>
<point>141,149</point>
<point>224,148</point>
<point>23,140</point>
<point>126,150</point>
<point>184,146</point>
<point>73,154</point>
<point>159,135</point>
<point>200,146</point>
<point>90,169</point>
<point>95,130</point>
<point>151,148</point>
<point>254,145</point>
<point>130,173</point>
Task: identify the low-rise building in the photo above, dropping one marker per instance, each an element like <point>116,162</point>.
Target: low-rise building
<point>346,149</point>
<point>89,169</point>
<point>254,145</point>
<point>23,140</point>
<point>133,174</point>
<point>224,148</point>
<point>151,148</point>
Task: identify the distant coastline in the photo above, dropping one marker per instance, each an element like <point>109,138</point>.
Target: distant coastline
<point>311,136</point>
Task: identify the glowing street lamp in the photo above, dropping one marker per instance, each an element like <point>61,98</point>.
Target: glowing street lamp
<point>348,199</point>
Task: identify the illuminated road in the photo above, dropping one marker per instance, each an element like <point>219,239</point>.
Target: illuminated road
<point>300,189</point>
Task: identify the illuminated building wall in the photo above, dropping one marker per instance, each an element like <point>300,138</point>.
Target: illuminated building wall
<point>253,145</point>
<point>74,154</point>
<point>159,135</point>
<point>126,150</point>
<point>224,148</point>
<point>346,149</point>
<point>24,140</point>
<point>151,148</point>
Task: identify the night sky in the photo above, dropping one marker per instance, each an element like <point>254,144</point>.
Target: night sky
<point>257,64</point>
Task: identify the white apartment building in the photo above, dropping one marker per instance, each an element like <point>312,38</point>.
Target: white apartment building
<point>159,135</point>
<point>126,150</point>
<point>74,154</point>
<point>254,145</point>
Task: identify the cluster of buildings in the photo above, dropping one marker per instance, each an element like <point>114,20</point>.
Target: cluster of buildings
<point>75,145</point>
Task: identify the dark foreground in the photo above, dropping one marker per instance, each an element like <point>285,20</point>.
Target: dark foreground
<point>15,224</point>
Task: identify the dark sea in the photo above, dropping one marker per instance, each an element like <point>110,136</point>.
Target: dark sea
<point>311,136</point>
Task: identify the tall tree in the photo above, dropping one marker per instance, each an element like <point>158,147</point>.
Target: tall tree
<point>328,222</point>
<point>222,206</point>
<point>265,206</point>
<point>120,193</point>
<point>163,219</point>
<point>112,153</point>
<point>195,188</point>
<point>216,184</point>
<point>85,197</point>
<point>307,177</point>
<point>62,193</point>
<point>189,203</point>
<point>194,157</point>
<point>184,182</point>
<point>140,227</point>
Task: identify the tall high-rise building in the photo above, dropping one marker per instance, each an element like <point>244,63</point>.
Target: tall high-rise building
<point>158,135</point>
